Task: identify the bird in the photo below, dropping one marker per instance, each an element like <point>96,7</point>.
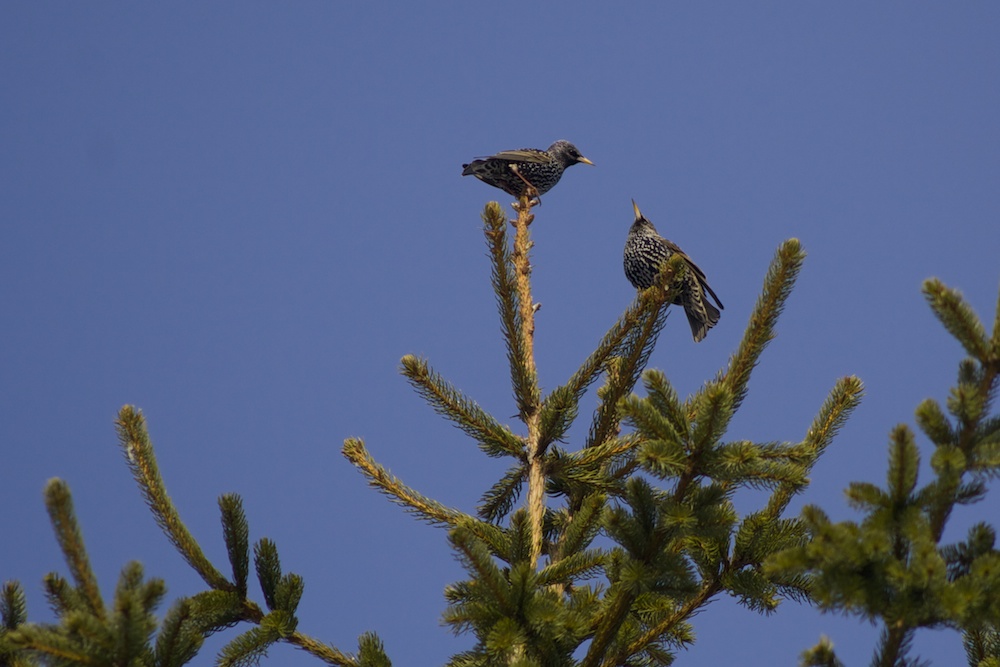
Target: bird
<point>646,252</point>
<point>518,172</point>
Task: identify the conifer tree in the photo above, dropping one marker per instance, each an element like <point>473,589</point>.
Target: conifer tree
<point>542,589</point>
<point>893,567</point>
<point>90,632</point>
<point>621,537</point>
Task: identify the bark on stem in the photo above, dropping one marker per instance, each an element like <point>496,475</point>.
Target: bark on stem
<point>536,477</point>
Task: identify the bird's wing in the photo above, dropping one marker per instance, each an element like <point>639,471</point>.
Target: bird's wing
<point>699,274</point>
<point>675,250</point>
<point>708,288</point>
<point>523,155</point>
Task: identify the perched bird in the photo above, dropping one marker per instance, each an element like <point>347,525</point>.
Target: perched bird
<point>645,253</point>
<point>516,171</point>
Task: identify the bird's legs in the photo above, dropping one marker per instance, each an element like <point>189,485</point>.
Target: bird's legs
<point>532,191</point>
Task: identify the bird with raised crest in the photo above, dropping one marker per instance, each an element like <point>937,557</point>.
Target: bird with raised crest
<point>645,254</point>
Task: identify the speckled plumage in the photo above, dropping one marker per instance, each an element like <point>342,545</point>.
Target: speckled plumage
<point>645,253</point>
<point>542,169</point>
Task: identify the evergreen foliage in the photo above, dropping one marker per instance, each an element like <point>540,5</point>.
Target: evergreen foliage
<point>653,479</point>
<point>127,633</point>
<point>892,567</point>
<point>599,554</point>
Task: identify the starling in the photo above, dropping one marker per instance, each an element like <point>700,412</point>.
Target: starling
<point>645,253</point>
<point>515,172</point>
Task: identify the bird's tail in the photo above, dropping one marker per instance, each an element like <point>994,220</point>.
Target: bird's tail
<point>701,315</point>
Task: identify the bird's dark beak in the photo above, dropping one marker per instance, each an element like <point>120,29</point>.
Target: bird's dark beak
<point>584,160</point>
<point>638,213</point>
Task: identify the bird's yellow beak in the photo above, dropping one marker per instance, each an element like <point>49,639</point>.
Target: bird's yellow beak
<point>635,207</point>
<point>584,160</point>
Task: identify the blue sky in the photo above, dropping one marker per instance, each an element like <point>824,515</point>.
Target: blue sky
<point>239,216</point>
